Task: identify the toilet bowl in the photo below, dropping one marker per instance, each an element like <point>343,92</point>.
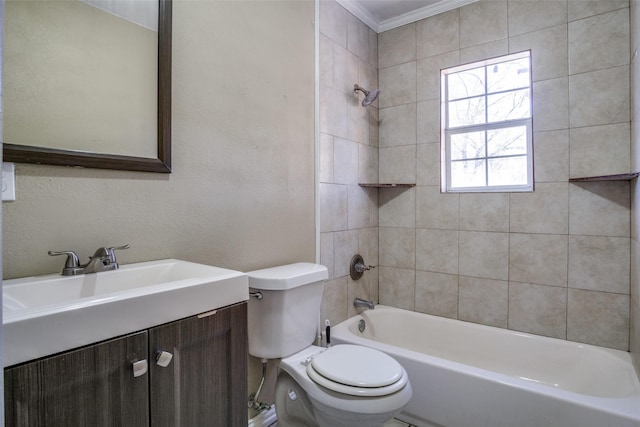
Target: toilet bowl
<point>340,386</point>
<point>338,395</point>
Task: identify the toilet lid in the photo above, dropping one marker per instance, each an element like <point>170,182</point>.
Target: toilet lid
<point>357,370</point>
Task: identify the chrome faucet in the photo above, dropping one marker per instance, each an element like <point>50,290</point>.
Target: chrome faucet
<point>359,302</point>
<point>104,259</point>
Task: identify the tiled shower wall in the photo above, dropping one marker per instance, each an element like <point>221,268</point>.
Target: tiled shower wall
<point>553,262</point>
<point>348,155</point>
<point>634,343</point>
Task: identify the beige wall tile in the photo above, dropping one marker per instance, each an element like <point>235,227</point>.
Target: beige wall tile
<point>345,70</point>
<point>334,300</point>
<point>345,157</point>
<point>599,208</point>
<point>333,207</point>
<point>428,74</point>
<point>551,104</point>
<point>483,301</point>
<point>361,207</point>
<point>397,287</point>
<point>397,247</point>
<point>599,263</point>
<point>333,112</point>
<point>398,164</point>
<point>538,309</point>
<point>373,48</point>
<point>397,46</point>
<point>428,116</point>
<point>635,272</point>
<point>368,245</point>
<point>483,22</point>
<point>397,207</point>
<point>483,51</point>
<point>526,15</point>
<point>326,252</point>
<point>437,250</point>
<point>599,42</point>
<point>326,158</point>
<point>484,212</point>
<point>551,156</point>
<point>598,318</point>
<point>548,51</point>
<point>357,289</point>
<point>599,97</point>
<point>599,150</point>
<point>437,210</point>
<point>358,37</point>
<point>484,254</point>
<point>437,294</point>
<point>367,78</point>
<point>538,259</point>
<point>325,58</point>
<point>634,342</point>
<point>357,121</point>
<point>367,164</point>
<point>345,246</point>
<point>438,34</point>
<point>333,21</point>
<point>428,164</point>
<point>579,9</point>
<point>398,125</point>
<point>544,211</point>
<point>374,124</point>
<point>399,83</point>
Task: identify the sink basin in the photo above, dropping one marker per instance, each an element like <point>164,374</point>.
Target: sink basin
<point>44,315</point>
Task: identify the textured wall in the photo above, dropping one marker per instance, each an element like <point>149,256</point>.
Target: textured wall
<point>554,262</point>
<point>241,194</point>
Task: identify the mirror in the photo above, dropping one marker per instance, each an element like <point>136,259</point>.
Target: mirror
<point>37,120</point>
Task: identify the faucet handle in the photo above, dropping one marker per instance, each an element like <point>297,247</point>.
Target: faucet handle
<point>72,258</point>
<point>111,252</point>
<point>72,265</point>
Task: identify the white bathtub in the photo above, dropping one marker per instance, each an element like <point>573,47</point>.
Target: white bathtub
<point>469,375</point>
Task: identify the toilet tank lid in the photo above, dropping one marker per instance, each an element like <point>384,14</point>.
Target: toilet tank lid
<point>287,276</point>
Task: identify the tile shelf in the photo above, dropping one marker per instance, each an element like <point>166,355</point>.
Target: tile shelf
<point>616,177</point>
<point>385,185</point>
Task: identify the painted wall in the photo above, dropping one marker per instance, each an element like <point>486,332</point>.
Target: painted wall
<point>554,262</point>
<point>241,194</point>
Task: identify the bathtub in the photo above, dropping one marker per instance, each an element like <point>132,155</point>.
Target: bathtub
<point>469,375</point>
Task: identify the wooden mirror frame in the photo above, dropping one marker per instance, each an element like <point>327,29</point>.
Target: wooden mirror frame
<point>51,156</point>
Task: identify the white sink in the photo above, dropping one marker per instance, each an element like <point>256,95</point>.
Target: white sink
<point>44,315</point>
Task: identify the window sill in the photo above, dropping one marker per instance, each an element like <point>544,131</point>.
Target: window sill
<point>385,185</point>
<point>616,177</point>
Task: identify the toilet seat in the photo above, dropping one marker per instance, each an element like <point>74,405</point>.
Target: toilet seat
<point>357,371</point>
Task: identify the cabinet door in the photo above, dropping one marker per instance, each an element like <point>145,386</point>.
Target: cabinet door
<point>91,386</point>
<point>205,384</point>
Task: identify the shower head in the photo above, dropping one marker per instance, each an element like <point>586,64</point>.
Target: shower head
<point>369,96</point>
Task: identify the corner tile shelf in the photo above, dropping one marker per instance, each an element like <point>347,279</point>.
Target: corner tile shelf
<point>385,185</point>
<point>617,177</point>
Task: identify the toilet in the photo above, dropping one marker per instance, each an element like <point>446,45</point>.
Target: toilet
<point>339,386</point>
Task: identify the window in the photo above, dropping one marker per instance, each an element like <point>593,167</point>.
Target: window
<point>486,126</point>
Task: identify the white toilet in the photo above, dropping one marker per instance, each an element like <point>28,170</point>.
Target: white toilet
<point>343,385</point>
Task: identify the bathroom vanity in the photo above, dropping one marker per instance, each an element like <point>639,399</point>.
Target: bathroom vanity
<point>168,349</point>
<point>203,384</point>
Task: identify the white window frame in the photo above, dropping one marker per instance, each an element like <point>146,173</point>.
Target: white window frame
<point>447,132</point>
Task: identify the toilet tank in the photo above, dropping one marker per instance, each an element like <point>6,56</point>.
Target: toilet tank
<point>286,319</point>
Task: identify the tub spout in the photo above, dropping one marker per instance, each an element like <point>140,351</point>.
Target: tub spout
<point>359,302</point>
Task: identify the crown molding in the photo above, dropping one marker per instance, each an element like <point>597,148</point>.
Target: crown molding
<point>406,18</point>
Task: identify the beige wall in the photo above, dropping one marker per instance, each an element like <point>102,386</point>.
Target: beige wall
<point>241,194</point>
<point>554,262</point>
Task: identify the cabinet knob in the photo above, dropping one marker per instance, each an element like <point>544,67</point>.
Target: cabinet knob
<point>163,358</point>
<point>140,368</point>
